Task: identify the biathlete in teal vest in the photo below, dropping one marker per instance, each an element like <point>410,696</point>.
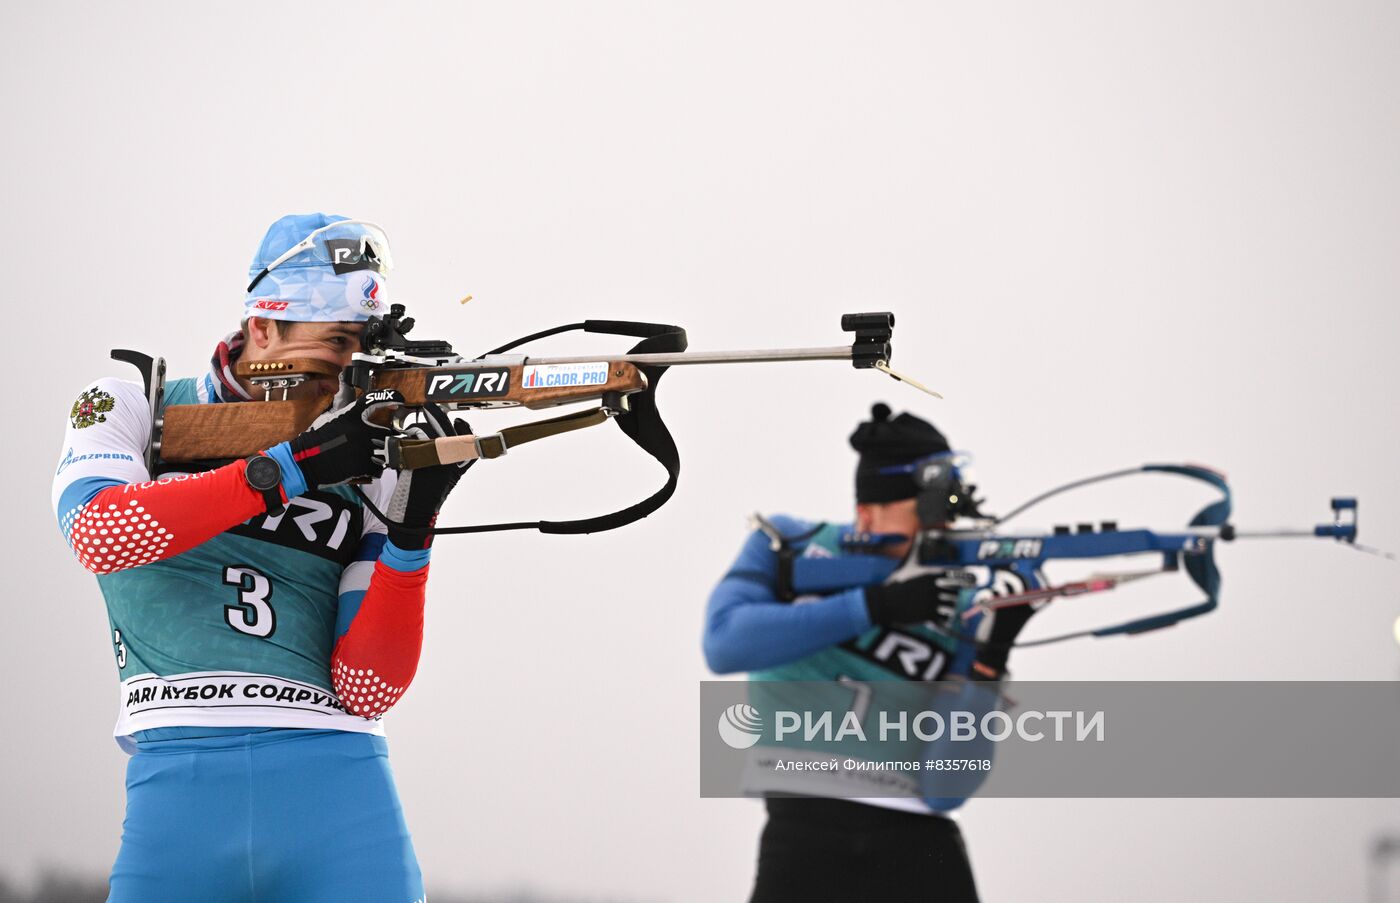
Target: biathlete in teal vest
<point>888,619</point>
<point>262,620</point>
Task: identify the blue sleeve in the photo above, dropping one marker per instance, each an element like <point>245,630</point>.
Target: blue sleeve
<point>945,791</point>
<point>354,581</point>
<point>748,629</point>
<point>405,561</point>
<point>293,480</point>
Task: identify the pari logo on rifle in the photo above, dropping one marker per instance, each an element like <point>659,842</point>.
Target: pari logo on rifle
<point>471,384</point>
<point>1008,548</point>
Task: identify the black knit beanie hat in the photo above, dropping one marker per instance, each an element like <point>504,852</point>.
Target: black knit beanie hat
<point>883,442</point>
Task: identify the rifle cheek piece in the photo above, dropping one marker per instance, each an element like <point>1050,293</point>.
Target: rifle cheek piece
<point>933,548</point>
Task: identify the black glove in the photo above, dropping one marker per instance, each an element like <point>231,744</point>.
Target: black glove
<point>928,597</point>
<point>343,444</point>
<point>420,492</point>
<point>990,663</point>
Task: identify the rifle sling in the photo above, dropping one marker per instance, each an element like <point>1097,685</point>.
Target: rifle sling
<point>414,453</point>
<point>642,424</point>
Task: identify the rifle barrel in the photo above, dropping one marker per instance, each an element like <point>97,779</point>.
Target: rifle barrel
<point>768,355</point>
<point>1280,533</point>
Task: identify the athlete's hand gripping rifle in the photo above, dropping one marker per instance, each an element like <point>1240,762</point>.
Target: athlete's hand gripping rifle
<point>430,372</point>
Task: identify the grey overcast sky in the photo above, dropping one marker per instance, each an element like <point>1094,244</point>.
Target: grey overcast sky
<point>1113,232</point>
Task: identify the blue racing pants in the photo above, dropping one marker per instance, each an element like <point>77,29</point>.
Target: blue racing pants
<point>263,816</point>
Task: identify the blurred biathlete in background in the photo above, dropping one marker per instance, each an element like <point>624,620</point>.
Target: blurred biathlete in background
<point>763,620</point>
<point>262,621</point>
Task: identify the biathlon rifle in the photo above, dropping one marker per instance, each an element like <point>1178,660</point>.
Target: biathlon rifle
<point>1008,566</point>
<point>430,372</point>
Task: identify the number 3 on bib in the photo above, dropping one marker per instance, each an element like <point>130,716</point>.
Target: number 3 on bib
<point>251,614</point>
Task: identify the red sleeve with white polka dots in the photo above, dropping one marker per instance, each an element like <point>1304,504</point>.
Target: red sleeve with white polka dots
<point>137,523</point>
<point>374,662</point>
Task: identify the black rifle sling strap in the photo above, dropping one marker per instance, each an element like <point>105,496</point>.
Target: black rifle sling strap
<point>642,424</point>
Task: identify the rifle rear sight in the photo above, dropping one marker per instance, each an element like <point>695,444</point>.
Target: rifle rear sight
<point>389,333</point>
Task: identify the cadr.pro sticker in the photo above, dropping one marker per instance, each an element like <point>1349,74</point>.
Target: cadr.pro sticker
<point>547,376</point>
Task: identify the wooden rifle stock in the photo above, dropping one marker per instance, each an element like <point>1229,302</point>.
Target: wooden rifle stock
<point>204,432</point>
